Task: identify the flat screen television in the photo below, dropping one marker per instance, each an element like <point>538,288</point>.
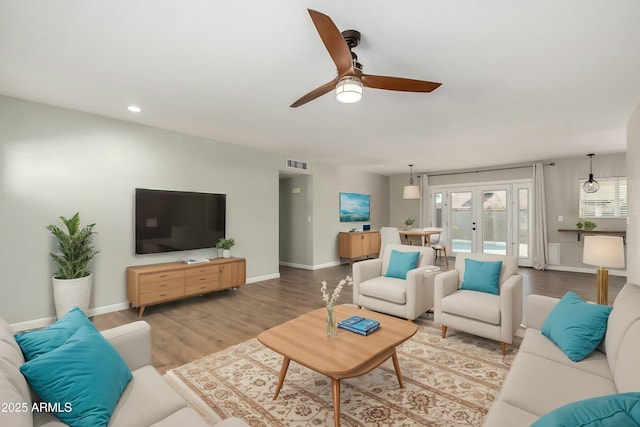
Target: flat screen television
<point>167,221</point>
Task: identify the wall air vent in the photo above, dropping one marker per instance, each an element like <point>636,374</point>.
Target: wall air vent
<point>297,164</point>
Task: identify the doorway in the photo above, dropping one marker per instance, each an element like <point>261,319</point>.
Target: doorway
<point>492,218</point>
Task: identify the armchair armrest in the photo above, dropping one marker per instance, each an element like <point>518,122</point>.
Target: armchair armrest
<point>511,307</point>
<point>444,284</point>
<point>132,341</point>
<point>538,308</point>
<point>420,290</point>
<point>363,271</point>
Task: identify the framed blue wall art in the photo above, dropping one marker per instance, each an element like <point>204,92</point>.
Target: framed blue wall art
<point>354,207</point>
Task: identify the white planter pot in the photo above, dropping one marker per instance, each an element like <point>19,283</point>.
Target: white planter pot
<point>70,293</point>
<point>226,253</point>
<point>220,253</point>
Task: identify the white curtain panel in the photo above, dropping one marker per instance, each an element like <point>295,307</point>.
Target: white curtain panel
<point>540,237</point>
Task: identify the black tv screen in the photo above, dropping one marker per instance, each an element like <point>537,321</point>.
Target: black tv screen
<point>167,221</point>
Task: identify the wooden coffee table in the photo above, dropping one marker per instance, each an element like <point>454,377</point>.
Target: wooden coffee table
<point>347,355</point>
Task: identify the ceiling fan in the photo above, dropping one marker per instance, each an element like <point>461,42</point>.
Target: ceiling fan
<point>350,79</point>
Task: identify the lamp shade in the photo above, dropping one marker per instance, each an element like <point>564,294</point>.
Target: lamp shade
<point>411,192</point>
<point>349,90</point>
<point>603,251</point>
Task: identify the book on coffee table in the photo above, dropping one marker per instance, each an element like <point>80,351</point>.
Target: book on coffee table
<point>359,325</point>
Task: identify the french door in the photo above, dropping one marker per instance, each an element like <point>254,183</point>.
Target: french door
<point>487,218</point>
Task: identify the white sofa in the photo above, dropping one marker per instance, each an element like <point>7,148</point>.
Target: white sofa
<point>543,378</point>
<point>147,401</point>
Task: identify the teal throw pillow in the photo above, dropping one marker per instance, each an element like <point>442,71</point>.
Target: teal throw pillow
<point>576,326</point>
<point>85,376</point>
<point>615,410</point>
<point>35,343</point>
<point>481,276</point>
<point>400,263</point>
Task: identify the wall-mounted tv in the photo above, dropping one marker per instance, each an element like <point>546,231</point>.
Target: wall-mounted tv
<point>167,221</point>
<point>354,207</point>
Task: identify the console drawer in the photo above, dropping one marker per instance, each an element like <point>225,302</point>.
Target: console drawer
<point>204,269</point>
<point>200,288</point>
<point>146,288</point>
<point>161,295</point>
<point>162,275</point>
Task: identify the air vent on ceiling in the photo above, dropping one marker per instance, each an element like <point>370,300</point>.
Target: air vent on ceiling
<point>297,164</point>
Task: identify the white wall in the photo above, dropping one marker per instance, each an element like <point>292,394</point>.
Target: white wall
<point>55,162</point>
<point>633,191</point>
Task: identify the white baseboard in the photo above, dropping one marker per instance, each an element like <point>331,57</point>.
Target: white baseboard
<point>310,267</point>
<point>261,278</point>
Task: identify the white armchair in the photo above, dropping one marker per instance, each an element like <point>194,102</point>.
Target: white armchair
<point>495,317</point>
<point>407,298</point>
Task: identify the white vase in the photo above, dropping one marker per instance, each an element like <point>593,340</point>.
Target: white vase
<point>226,253</point>
<point>68,293</point>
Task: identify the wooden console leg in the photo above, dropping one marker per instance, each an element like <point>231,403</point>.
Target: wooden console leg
<point>503,347</point>
<point>283,373</point>
<point>444,331</point>
<point>142,307</point>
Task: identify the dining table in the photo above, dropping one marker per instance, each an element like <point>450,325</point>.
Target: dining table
<point>424,234</point>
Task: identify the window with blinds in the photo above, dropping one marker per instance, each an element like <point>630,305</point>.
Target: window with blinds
<point>610,201</point>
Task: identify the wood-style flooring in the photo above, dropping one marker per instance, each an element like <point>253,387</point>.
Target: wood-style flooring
<point>186,330</point>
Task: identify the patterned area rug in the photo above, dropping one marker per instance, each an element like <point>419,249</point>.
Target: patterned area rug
<point>448,382</point>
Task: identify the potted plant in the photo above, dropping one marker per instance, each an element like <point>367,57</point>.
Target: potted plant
<point>588,225</point>
<point>72,279</point>
<point>579,225</point>
<point>226,245</point>
<point>409,222</point>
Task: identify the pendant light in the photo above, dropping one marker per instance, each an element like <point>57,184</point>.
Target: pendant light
<point>411,192</point>
<point>590,186</point>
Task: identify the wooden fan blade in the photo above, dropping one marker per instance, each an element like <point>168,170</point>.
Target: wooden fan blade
<point>316,93</point>
<point>333,41</point>
<point>398,83</point>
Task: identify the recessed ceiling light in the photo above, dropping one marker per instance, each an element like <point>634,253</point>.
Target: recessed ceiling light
<point>134,108</point>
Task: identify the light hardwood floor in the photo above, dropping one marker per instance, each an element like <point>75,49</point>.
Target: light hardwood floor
<point>189,329</point>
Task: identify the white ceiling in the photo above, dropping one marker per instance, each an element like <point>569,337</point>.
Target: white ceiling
<point>521,80</point>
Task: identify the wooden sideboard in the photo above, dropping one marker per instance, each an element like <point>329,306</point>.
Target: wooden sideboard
<point>358,244</point>
<point>157,283</point>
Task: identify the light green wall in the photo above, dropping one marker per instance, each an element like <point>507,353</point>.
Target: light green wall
<point>296,227</point>
<point>401,209</point>
<point>633,191</point>
<point>55,162</point>
<point>328,182</point>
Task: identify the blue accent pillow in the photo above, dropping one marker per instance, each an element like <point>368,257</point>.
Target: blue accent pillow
<point>400,263</point>
<point>85,376</point>
<point>576,326</point>
<point>481,276</point>
<point>41,341</point>
<point>619,410</point>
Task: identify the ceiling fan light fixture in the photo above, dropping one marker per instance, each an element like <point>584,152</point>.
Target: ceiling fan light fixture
<point>591,185</point>
<point>349,90</point>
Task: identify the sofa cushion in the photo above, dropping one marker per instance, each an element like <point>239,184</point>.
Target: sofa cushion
<point>624,314</point>
<point>9,349</point>
<point>186,417</point>
<point>35,343</point>
<point>400,263</point>
<point>85,375</point>
<point>147,400</point>
<point>539,385</point>
<point>481,276</point>
<point>475,305</point>
<point>385,288</point>
<point>14,397</point>
<point>622,409</point>
<point>536,343</point>
<point>576,326</point>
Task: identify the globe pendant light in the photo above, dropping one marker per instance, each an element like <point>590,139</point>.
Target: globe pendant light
<point>411,192</point>
<point>591,186</point>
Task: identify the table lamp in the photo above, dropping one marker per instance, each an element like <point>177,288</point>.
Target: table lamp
<point>603,251</point>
